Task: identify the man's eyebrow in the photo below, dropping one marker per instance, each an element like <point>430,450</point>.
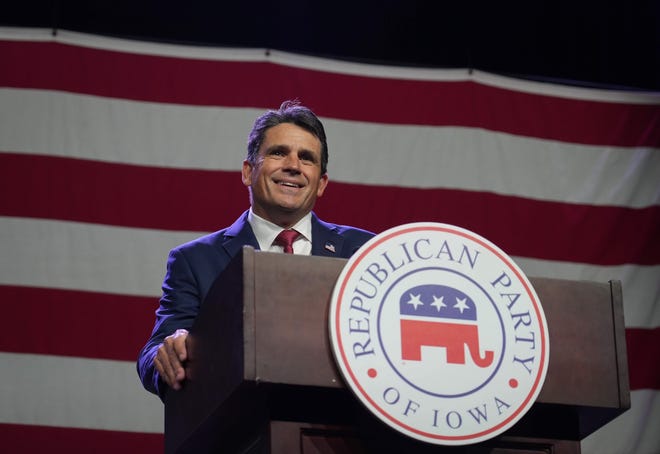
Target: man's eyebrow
<point>277,147</point>
<point>307,153</point>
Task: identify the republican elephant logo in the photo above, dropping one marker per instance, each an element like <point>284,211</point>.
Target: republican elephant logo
<point>441,316</point>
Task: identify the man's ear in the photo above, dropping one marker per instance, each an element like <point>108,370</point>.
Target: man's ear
<point>323,183</point>
<point>246,173</point>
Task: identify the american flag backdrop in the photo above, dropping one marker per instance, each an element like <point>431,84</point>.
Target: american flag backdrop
<point>114,151</point>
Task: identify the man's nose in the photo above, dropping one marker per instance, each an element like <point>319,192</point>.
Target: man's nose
<point>292,162</point>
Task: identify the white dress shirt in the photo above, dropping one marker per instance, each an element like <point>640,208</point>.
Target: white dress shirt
<point>266,231</point>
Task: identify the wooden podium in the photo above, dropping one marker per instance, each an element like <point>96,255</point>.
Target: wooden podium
<point>262,378</point>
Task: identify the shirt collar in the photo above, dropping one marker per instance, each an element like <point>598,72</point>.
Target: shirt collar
<point>266,231</point>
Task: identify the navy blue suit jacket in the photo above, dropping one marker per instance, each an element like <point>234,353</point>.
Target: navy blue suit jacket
<point>193,267</point>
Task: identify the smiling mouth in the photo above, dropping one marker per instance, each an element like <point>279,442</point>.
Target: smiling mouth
<point>289,184</point>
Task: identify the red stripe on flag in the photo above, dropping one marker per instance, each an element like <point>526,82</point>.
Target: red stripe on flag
<point>17,438</point>
<point>119,194</point>
<point>55,66</point>
<point>178,199</point>
<point>522,227</point>
<point>76,323</point>
<point>643,347</point>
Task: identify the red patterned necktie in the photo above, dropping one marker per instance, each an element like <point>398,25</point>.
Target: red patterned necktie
<point>286,239</point>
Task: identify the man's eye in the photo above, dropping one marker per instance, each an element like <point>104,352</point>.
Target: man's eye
<point>307,157</point>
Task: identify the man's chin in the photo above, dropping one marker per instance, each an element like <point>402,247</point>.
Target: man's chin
<point>289,205</point>
<point>284,214</point>
<point>290,209</point>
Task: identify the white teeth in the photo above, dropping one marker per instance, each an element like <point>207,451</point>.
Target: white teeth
<point>291,185</point>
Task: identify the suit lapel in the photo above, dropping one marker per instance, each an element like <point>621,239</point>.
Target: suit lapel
<point>325,241</point>
<point>239,234</point>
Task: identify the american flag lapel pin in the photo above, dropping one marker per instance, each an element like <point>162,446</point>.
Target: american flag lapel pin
<point>330,246</point>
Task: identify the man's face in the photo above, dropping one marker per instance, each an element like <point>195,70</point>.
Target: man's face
<point>286,178</point>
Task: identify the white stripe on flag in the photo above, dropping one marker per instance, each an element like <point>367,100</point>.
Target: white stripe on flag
<point>75,392</point>
<point>131,261</point>
<point>79,256</point>
<point>153,134</point>
<point>641,285</point>
<point>635,431</point>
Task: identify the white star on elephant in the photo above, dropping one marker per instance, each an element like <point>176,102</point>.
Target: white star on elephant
<point>461,304</point>
<point>415,301</point>
<point>438,302</point>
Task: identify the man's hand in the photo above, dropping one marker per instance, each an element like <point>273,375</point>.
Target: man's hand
<point>170,357</point>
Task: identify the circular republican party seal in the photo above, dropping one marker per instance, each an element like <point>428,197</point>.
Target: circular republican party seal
<point>439,333</point>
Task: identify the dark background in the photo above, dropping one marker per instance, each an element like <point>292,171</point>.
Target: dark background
<point>604,43</point>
